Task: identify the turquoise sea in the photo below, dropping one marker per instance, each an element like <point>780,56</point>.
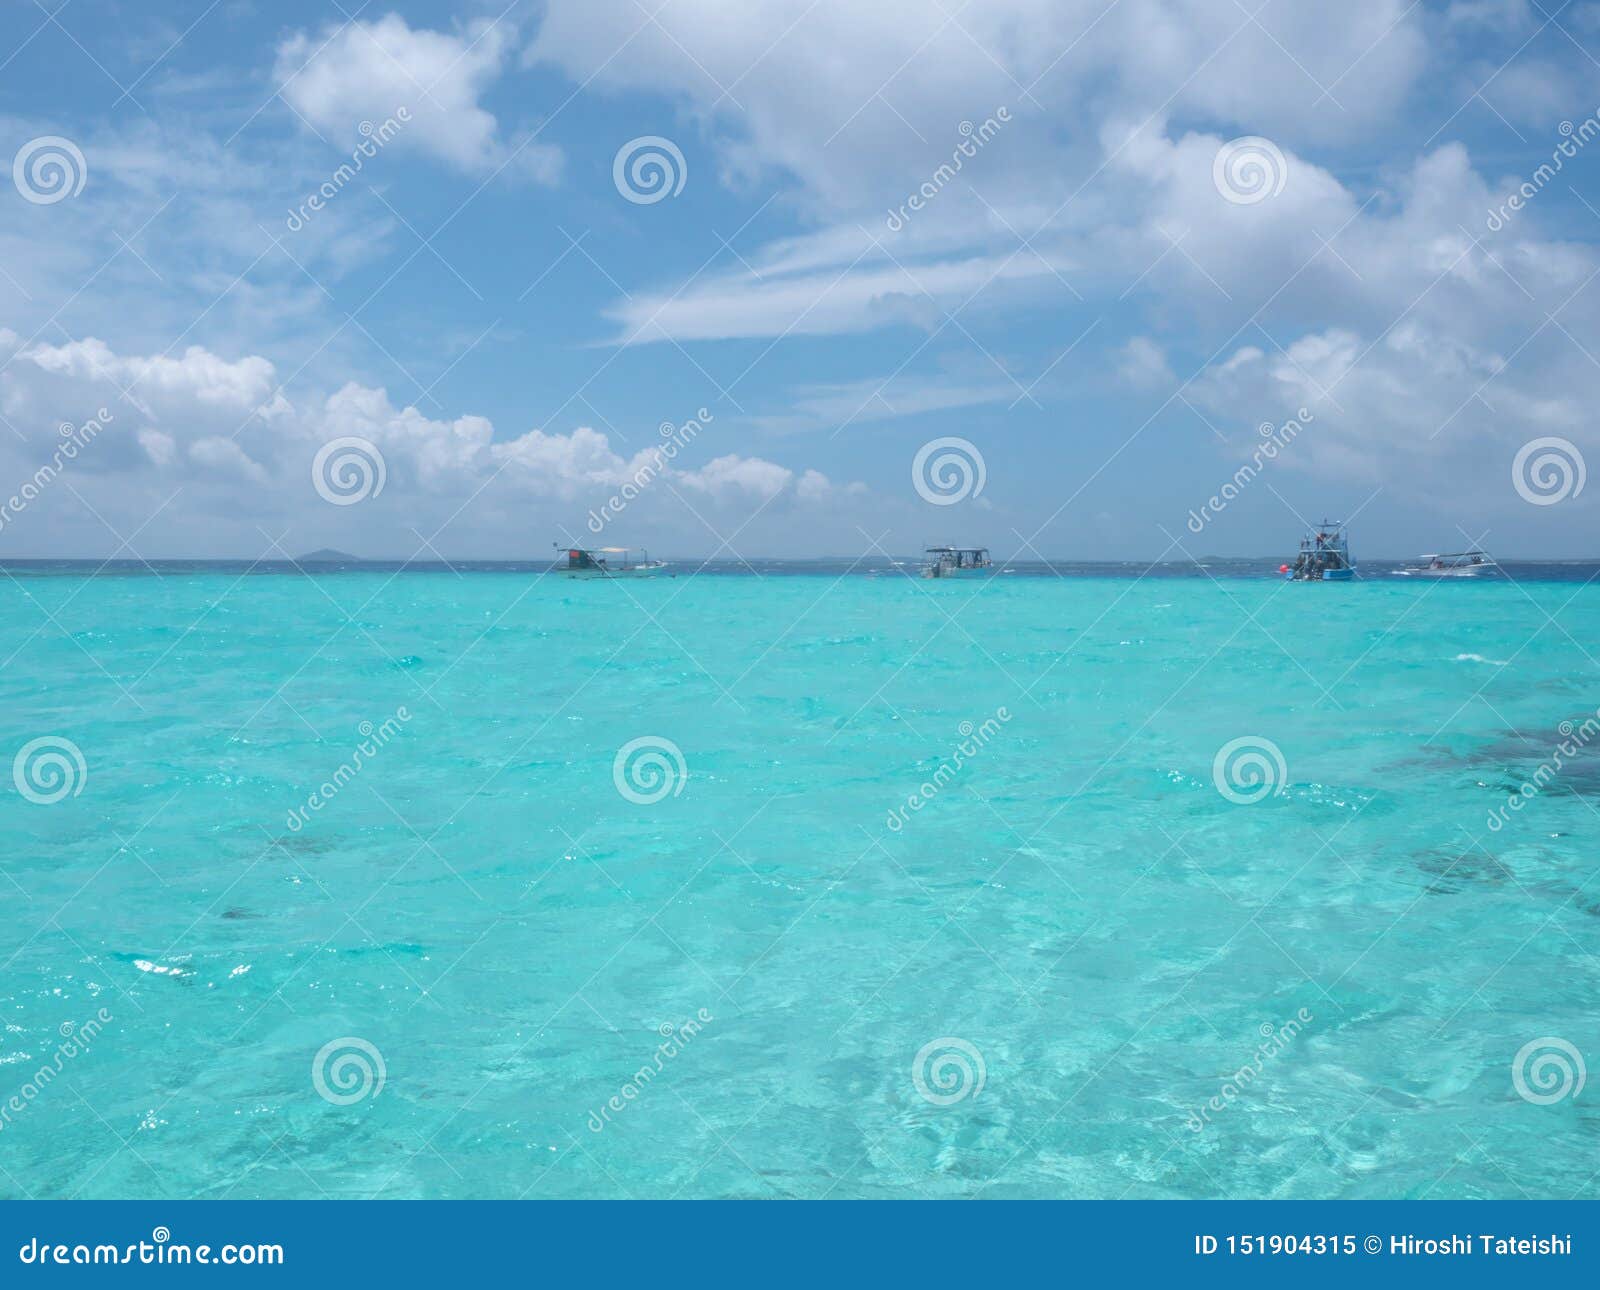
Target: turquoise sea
<point>1085,964</point>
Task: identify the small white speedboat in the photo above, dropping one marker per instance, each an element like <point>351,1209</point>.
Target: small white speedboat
<point>1456,564</point>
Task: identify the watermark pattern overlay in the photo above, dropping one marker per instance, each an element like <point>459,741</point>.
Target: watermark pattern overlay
<point>348,1070</point>
<point>160,1250</point>
<point>373,741</point>
<point>948,1070</point>
<point>74,439</point>
<point>674,1039</point>
<point>973,139</point>
<point>1573,138</point>
<point>974,739</point>
<point>1548,1070</point>
<point>1249,170</point>
<point>1548,471</point>
<point>1274,1039</point>
<point>76,1039</point>
<point>1249,769</point>
<point>348,470</point>
<point>1574,739</point>
<point>973,810</point>
<point>1274,439</point>
<point>649,169</point>
<point>648,769</point>
<point>48,769</point>
<point>675,438</point>
<point>48,170</point>
<point>948,470</point>
<point>373,139</point>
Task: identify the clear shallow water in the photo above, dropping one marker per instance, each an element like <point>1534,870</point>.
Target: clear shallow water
<point>1079,902</point>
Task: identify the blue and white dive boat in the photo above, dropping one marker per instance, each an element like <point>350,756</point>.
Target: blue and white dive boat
<point>949,561</point>
<point>1324,556</point>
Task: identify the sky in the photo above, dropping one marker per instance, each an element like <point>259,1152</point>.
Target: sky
<point>765,278</point>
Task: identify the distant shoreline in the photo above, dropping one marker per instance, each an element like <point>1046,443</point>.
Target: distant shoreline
<point>332,563</point>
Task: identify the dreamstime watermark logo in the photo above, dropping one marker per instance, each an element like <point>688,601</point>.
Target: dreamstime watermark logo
<point>74,439</point>
<point>1549,470</point>
<point>948,1070</point>
<point>347,1070</point>
<point>1248,769</point>
<point>76,1039</point>
<point>1573,138</point>
<point>1274,439</point>
<point>973,139</point>
<point>649,168</point>
<point>947,471</point>
<point>1547,1069</point>
<point>647,769</point>
<point>973,740</point>
<point>48,768</point>
<point>160,1250</point>
<point>373,138</point>
<point>348,470</point>
<point>49,169</point>
<point>373,740</point>
<point>1274,1039</point>
<point>676,438</point>
<point>1574,738</point>
<point>674,1039</point>
<point>1249,170</point>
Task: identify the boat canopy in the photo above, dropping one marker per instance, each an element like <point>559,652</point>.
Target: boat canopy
<point>963,557</point>
<point>602,557</point>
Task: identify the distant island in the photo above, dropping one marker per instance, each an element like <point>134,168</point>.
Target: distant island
<point>329,556</point>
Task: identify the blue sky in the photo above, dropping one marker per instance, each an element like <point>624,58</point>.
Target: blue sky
<point>1105,301</point>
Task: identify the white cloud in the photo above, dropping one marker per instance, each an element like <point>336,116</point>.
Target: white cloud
<point>226,457</point>
<point>1090,168</point>
<point>839,406</point>
<point>245,385</point>
<point>219,432</point>
<point>815,488</point>
<point>1143,364</point>
<point>827,302</point>
<point>160,447</point>
<point>827,90</point>
<point>366,71</point>
<point>733,475</point>
<point>432,452</point>
<point>1413,410</point>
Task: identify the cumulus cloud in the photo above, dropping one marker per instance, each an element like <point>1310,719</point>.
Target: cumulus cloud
<point>735,475</point>
<point>366,71</point>
<point>211,426</point>
<point>1413,411</point>
<point>199,376</point>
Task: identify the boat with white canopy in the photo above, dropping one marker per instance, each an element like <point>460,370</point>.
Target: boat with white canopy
<point>608,562</point>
